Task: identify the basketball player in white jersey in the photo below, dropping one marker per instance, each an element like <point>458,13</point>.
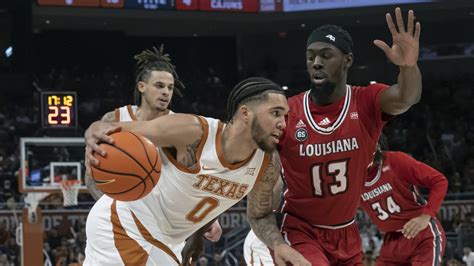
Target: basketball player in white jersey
<point>207,167</point>
<point>156,80</point>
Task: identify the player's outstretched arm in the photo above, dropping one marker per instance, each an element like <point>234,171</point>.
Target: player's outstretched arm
<point>91,186</point>
<point>177,130</point>
<point>404,53</point>
<point>262,220</point>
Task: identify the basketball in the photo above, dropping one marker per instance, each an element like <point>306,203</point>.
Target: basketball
<point>130,169</point>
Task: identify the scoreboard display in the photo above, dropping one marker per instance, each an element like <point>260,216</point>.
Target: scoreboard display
<point>149,4</point>
<point>244,6</point>
<point>58,109</point>
<point>78,3</point>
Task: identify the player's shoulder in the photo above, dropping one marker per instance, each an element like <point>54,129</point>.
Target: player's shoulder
<point>296,103</point>
<point>370,91</point>
<point>398,159</point>
<point>296,98</point>
<point>372,86</point>
<point>110,116</point>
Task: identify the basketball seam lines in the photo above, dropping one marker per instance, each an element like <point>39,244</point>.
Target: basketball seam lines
<point>147,157</point>
<point>142,180</point>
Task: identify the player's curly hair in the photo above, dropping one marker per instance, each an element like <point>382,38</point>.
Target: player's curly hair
<point>154,60</point>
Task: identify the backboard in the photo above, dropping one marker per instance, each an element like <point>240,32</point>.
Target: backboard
<point>45,162</point>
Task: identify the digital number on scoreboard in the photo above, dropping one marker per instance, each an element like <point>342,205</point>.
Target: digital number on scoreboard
<point>59,109</point>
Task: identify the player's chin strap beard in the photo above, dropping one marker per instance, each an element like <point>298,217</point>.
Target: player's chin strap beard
<point>322,92</point>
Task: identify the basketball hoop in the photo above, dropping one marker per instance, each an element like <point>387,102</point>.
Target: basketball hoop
<point>70,190</point>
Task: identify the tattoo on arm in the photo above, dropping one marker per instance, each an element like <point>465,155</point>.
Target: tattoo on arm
<point>259,206</point>
<point>91,186</point>
<point>189,157</point>
<point>109,117</point>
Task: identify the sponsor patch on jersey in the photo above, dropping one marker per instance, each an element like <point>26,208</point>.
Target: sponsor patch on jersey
<point>354,115</point>
<point>300,124</point>
<point>301,134</point>
<point>250,171</point>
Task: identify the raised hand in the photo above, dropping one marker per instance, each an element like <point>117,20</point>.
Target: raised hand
<point>405,42</point>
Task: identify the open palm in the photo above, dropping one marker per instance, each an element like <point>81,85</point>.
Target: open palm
<point>405,47</point>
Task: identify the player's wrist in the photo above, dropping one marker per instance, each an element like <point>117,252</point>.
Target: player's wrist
<point>280,245</point>
<point>409,67</point>
<point>426,216</point>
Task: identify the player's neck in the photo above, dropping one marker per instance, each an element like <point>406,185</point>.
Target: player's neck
<point>144,114</point>
<point>235,145</point>
<point>322,100</point>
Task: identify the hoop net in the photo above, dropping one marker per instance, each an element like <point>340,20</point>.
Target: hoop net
<point>70,190</point>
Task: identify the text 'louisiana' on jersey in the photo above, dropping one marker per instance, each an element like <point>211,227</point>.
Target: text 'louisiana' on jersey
<point>391,196</point>
<point>325,152</point>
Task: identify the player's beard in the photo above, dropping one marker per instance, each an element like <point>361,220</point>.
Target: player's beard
<point>260,137</point>
<point>324,91</point>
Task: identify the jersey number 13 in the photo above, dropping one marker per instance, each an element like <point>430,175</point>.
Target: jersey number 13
<point>335,169</point>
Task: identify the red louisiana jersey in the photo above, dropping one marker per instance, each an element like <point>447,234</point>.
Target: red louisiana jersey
<point>391,197</point>
<point>325,151</point>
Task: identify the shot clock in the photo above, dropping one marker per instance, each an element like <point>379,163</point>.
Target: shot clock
<point>59,109</point>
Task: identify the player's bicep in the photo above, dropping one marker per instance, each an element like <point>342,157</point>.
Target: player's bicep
<point>259,201</point>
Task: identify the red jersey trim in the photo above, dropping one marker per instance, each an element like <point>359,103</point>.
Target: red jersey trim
<point>327,130</point>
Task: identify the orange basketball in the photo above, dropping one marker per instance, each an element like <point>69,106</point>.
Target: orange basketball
<point>130,169</point>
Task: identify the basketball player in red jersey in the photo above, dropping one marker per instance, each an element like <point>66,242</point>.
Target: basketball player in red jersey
<point>331,135</point>
<point>156,80</point>
<point>413,236</point>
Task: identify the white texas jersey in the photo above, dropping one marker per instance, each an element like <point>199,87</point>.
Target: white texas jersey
<point>186,199</point>
<point>128,113</point>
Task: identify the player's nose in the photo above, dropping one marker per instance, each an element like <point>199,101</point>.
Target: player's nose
<point>281,124</point>
<point>318,62</point>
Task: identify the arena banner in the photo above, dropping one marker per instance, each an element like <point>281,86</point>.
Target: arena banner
<point>229,5</point>
<point>112,3</point>
<point>306,5</point>
<point>81,3</point>
<point>187,4</point>
<point>271,5</point>
<point>233,218</point>
<point>150,4</point>
<point>61,220</point>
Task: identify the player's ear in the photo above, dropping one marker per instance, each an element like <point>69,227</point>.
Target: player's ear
<point>245,113</point>
<point>348,60</point>
<point>141,86</point>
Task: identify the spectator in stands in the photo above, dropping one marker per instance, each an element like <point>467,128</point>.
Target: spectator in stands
<point>468,257</point>
<point>4,237</point>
